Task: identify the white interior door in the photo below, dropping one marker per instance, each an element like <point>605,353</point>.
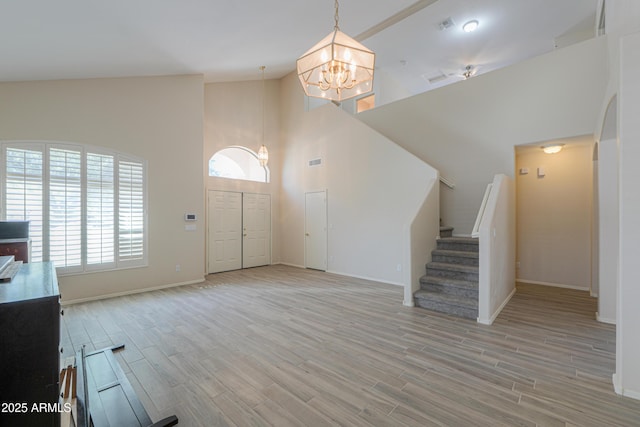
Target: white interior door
<point>315,230</point>
<point>256,224</point>
<point>225,231</point>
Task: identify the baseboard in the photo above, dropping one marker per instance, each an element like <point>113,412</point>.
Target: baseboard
<point>372,279</point>
<point>605,319</point>
<point>616,384</point>
<point>408,303</point>
<point>555,285</point>
<point>289,264</point>
<point>497,312</point>
<point>131,292</point>
<point>355,276</point>
<point>633,394</point>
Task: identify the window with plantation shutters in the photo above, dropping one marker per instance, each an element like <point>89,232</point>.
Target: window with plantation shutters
<point>65,208</point>
<point>100,209</point>
<point>23,192</point>
<point>86,206</point>
<point>130,211</point>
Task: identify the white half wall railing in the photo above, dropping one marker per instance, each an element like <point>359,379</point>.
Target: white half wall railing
<point>421,232</point>
<point>447,182</point>
<point>497,246</point>
<point>475,233</point>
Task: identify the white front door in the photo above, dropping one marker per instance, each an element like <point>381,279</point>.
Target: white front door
<point>256,224</point>
<point>315,230</point>
<point>225,231</point>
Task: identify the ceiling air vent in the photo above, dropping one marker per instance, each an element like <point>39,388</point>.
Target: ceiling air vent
<point>434,78</point>
<point>446,24</point>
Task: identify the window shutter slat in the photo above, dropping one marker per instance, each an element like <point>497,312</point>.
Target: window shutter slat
<point>131,211</point>
<point>100,209</point>
<point>23,193</point>
<point>65,207</point>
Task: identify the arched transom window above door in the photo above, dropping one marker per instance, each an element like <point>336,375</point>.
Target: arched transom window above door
<point>238,162</point>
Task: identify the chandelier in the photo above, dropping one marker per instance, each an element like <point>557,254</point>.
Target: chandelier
<point>337,67</point>
<point>263,153</point>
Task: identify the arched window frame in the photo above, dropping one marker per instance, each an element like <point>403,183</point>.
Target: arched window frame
<point>244,168</point>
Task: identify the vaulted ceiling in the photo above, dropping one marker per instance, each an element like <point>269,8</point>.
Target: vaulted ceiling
<point>228,40</point>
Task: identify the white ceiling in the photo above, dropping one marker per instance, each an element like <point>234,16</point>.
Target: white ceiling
<point>228,40</point>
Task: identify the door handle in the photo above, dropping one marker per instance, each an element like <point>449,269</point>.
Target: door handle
<point>244,235</point>
<point>306,234</point>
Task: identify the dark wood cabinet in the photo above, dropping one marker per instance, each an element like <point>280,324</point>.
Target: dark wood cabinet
<point>20,249</point>
<point>29,346</point>
<point>14,240</point>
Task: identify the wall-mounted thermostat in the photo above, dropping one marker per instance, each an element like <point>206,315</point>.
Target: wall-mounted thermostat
<point>190,217</point>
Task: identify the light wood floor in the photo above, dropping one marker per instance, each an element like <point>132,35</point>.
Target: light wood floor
<point>291,347</point>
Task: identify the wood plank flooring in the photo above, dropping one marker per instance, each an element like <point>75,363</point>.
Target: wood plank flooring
<point>283,346</point>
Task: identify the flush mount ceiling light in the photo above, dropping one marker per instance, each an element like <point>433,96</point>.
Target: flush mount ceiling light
<point>470,26</point>
<point>263,153</point>
<point>469,72</point>
<point>337,67</point>
<point>552,148</point>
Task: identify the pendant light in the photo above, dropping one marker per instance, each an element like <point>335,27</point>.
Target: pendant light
<point>263,153</point>
<point>337,67</point>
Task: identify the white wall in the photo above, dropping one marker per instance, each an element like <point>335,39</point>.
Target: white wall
<point>422,236</point>
<point>386,89</point>
<point>374,189</point>
<point>608,212</point>
<point>623,42</point>
<point>158,119</point>
<point>554,215</point>
<point>595,225</point>
<point>233,116</point>
<point>497,244</point>
<point>627,377</point>
<point>467,130</point>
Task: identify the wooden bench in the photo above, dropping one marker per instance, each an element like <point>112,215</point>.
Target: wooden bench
<point>105,397</point>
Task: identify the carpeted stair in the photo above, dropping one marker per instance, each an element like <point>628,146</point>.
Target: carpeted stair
<point>451,283</point>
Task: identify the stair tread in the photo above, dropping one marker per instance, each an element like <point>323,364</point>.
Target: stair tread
<point>445,281</point>
<point>447,299</point>
<point>467,240</point>
<point>446,228</point>
<point>450,252</point>
<point>453,267</point>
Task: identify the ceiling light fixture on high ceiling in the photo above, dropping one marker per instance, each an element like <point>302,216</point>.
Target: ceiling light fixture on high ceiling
<point>552,148</point>
<point>470,26</point>
<point>337,67</point>
<point>469,71</point>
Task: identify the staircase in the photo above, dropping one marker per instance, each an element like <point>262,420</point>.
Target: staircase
<point>451,283</point>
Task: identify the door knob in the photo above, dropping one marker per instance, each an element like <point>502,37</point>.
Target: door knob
<point>244,235</point>
<point>306,234</point>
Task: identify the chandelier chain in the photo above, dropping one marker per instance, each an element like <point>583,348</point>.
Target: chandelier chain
<point>263,102</point>
<point>263,153</point>
<point>336,17</point>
